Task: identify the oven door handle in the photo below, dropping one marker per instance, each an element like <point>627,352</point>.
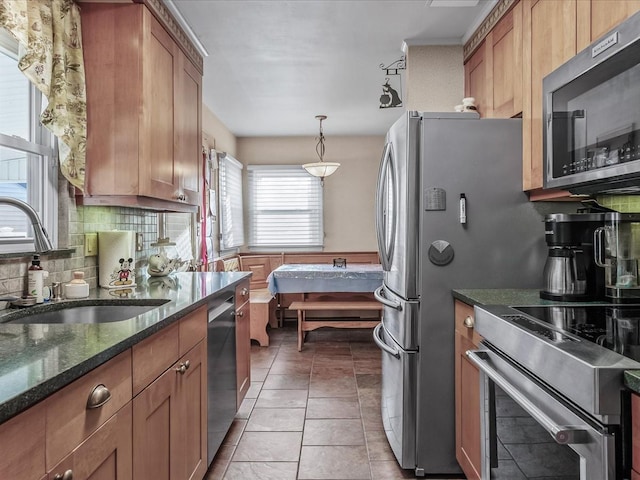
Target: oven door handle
<point>562,434</point>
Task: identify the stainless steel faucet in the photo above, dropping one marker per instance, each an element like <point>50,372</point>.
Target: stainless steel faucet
<point>41,240</point>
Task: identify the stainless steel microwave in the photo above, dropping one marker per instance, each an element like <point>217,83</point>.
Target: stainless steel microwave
<point>592,116</point>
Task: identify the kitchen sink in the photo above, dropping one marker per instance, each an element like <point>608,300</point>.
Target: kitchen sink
<point>81,312</point>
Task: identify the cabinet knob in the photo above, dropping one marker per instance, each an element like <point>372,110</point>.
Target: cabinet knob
<point>468,321</point>
<point>183,367</point>
<point>181,197</point>
<point>240,313</point>
<point>98,396</point>
<point>245,292</point>
<point>68,475</point>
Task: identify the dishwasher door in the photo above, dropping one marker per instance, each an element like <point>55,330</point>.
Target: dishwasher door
<point>221,371</point>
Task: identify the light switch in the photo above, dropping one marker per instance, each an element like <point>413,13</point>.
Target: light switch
<point>90,244</point>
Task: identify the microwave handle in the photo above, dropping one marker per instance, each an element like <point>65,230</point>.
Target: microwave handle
<point>598,233</point>
<point>564,435</point>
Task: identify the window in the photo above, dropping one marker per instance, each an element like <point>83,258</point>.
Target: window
<point>28,170</point>
<point>285,208</point>
<point>231,222</point>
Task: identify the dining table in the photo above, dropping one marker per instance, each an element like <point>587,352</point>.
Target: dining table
<point>325,278</point>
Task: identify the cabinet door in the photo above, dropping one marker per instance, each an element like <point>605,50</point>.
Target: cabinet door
<point>192,397</point>
<point>475,80</point>
<point>160,60</point>
<point>549,40</point>
<point>170,422</point>
<point>467,390</point>
<point>243,350</point>
<point>188,112</point>
<point>153,421</point>
<point>597,17</point>
<point>635,431</point>
<point>503,47</point>
<point>105,455</point>
<point>22,445</point>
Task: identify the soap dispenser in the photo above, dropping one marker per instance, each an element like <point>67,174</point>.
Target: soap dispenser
<point>77,288</point>
<point>35,281</point>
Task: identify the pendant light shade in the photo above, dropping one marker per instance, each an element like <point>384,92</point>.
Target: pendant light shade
<point>321,169</point>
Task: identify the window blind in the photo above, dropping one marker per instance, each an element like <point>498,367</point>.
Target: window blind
<point>231,222</point>
<point>285,207</point>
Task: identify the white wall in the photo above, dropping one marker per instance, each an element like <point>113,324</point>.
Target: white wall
<point>349,193</point>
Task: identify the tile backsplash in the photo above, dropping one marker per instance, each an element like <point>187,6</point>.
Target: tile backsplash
<point>621,203</point>
<point>73,223</point>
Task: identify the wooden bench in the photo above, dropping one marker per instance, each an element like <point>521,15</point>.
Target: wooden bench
<point>305,325</point>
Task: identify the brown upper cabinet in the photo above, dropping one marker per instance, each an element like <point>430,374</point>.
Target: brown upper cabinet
<point>493,74</point>
<point>529,41</point>
<point>144,99</point>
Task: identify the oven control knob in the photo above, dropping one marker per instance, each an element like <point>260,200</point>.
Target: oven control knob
<point>468,321</point>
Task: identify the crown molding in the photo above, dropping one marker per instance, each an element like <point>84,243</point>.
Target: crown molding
<point>164,16</point>
<point>502,7</point>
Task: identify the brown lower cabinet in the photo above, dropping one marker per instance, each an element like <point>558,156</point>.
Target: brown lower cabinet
<point>635,436</point>
<point>168,418</point>
<point>467,391</point>
<point>153,426</point>
<point>243,340</point>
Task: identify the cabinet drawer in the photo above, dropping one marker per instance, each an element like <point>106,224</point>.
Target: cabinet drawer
<point>193,328</point>
<point>22,445</point>
<point>70,420</point>
<point>154,355</point>
<point>464,316</point>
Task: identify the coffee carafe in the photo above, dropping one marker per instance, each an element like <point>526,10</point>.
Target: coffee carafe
<point>617,250</point>
<point>570,274</point>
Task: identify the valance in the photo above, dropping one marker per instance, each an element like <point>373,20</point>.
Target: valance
<point>50,33</point>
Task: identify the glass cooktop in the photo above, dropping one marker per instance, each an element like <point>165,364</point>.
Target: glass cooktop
<point>616,327</point>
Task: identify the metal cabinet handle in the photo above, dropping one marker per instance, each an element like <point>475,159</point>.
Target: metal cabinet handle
<point>468,322</point>
<point>245,292</point>
<point>182,369</point>
<point>68,475</point>
<point>240,313</point>
<point>98,397</point>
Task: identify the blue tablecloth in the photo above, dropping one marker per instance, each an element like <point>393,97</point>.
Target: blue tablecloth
<point>307,278</point>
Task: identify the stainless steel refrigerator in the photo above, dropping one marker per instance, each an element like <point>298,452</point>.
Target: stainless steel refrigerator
<point>450,213</point>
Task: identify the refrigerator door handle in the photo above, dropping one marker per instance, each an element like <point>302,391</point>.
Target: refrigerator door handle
<point>384,300</point>
<point>380,342</point>
<point>387,172</point>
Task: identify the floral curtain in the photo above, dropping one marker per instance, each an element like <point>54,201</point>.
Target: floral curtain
<point>49,31</point>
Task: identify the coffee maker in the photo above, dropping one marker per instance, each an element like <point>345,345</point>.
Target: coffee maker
<point>617,251</point>
<point>570,273</point>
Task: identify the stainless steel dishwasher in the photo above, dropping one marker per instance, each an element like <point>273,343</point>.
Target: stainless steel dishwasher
<point>221,370</point>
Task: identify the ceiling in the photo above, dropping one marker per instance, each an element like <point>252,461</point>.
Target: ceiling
<point>272,66</point>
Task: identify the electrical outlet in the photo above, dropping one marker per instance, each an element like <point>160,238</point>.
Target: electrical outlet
<point>139,242</point>
<point>90,244</point>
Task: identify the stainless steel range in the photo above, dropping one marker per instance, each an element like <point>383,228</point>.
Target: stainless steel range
<point>552,390</point>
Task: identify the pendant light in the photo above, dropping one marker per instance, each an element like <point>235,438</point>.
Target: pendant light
<point>321,169</point>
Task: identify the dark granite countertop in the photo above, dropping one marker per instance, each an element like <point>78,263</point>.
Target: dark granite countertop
<point>507,296</point>
<point>37,359</point>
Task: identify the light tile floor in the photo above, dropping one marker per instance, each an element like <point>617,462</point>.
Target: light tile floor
<point>313,414</point>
